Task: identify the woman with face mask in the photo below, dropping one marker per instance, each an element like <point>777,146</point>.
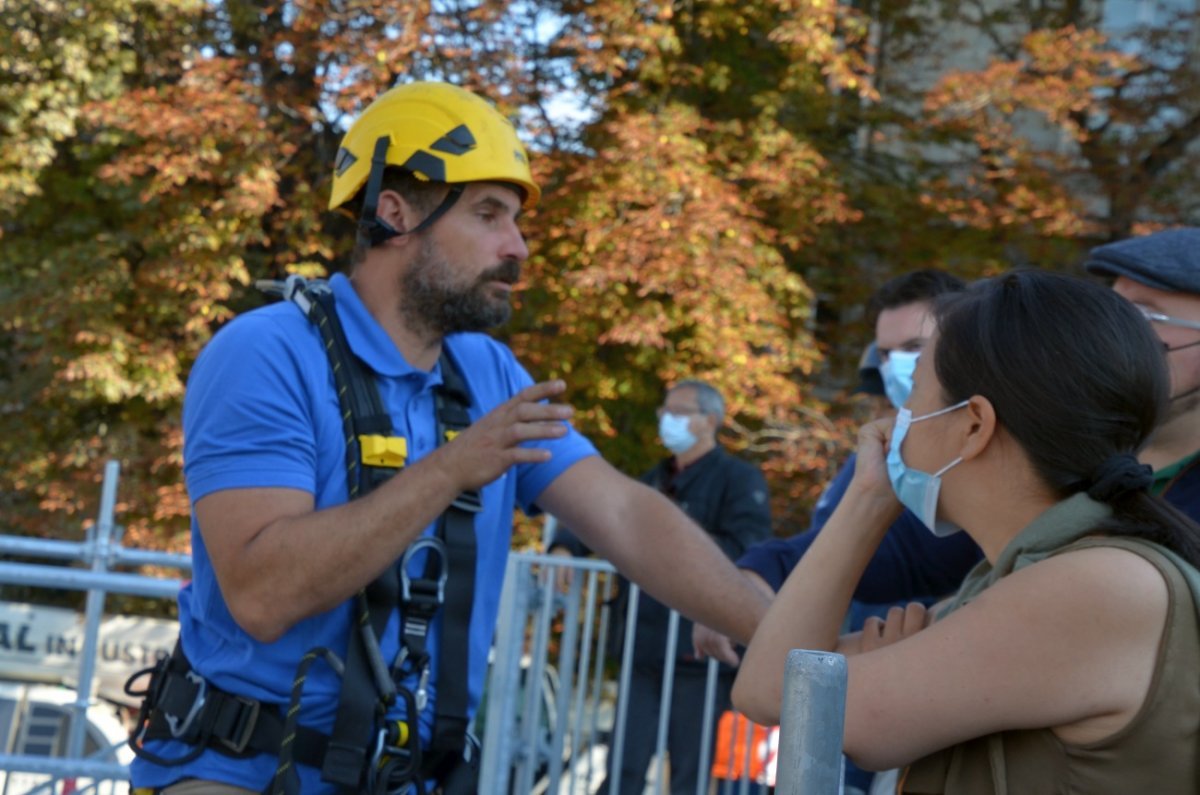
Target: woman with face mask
<point>1067,661</point>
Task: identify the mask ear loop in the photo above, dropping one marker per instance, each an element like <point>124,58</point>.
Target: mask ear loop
<point>948,467</point>
<point>940,412</point>
<point>1185,346</point>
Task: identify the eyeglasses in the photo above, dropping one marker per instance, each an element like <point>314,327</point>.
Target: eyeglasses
<point>678,412</point>
<point>1167,320</point>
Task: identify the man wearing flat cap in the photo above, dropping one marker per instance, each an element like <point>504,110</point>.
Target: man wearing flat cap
<point>1160,273</point>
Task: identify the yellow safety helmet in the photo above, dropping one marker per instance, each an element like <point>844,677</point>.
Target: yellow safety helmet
<point>439,132</point>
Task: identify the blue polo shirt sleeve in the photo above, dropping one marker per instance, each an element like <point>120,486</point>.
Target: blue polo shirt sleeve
<point>247,417</point>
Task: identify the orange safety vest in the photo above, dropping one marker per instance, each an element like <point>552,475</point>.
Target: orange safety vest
<point>734,759</point>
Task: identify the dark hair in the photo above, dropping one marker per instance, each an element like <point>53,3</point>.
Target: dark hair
<point>423,195</point>
<point>909,288</point>
<point>1078,378</point>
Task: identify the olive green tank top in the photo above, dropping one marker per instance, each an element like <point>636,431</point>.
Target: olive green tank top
<point>1157,752</point>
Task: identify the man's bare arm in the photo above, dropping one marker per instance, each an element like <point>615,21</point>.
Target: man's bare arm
<point>707,642</point>
<point>651,541</point>
<point>279,561</point>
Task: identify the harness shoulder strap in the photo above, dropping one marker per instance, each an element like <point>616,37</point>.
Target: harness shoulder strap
<point>367,687</point>
<point>361,706</point>
<point>457,530</point>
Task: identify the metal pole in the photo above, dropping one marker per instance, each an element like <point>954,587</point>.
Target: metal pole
<point>580,678</point>
<point>596,689</point>
<point>101,536</point>
<point>706,732</point>
<point>812,722</point>
<point>568,648</point>
<point>80,580</point>
<point>616,749</point>
<point>665,700</point>
<point>504,681</point>
<point>54,549</point>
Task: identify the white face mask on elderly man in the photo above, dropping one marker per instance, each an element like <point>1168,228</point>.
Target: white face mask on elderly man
<point>674,432</point>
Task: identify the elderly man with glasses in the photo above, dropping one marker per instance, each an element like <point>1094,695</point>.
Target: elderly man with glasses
<point>1160,273</point>
<point>727,496</point>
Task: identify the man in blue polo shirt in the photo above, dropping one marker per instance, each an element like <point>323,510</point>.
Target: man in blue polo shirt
<point>437,178</point>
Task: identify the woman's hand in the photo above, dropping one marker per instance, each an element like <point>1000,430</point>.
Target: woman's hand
<point>901,622</point>
<point>871,480</point>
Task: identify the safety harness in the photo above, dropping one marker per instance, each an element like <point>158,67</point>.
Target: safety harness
<point>364,753</point>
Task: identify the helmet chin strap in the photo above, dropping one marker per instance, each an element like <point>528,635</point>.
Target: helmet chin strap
<point>374,230</point>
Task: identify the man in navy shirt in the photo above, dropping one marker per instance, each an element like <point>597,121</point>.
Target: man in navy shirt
<point>911,562</point>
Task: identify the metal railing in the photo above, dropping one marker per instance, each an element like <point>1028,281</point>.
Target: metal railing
<point>537,747</point>
<point>812,723</point>
<point>542,722</point>
<point>101,551</point>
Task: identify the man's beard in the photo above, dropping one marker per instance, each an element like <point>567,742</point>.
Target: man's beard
<point>432,300</point>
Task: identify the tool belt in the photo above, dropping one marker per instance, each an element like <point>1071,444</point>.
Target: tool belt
<point>178,704</point>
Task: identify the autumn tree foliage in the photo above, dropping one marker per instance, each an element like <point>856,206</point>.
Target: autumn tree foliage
<point>672,243</point>
<point>725,182</point>
<point>1078,127</point>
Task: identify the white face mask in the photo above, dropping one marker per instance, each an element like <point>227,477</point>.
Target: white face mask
<point>917,490</point>
<point>674,432</point>
<point>897,373</point>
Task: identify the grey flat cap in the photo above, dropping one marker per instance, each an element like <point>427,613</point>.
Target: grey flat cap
<point>1168,260</point>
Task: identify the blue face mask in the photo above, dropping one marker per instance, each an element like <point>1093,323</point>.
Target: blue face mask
<point>916,490</point>
<point>674,432</point>
<point>897,373</point>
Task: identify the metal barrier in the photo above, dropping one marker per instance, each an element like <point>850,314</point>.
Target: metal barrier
<point>558,743</point>
<point>101,550</point>
<point>545,727</point>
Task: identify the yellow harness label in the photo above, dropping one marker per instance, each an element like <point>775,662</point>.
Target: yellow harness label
<point>383,451</point>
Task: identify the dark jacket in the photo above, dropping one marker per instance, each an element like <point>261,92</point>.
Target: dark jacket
<point>723,494</point>
<point>1184,490</point>
<point>911,563</point>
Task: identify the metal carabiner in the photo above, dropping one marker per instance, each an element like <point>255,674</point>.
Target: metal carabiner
<point>422,694</point>
<point>179,728</point>
<point>433,544</point>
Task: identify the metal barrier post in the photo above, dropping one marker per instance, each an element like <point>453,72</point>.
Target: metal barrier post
<point>616,749</point>
<point>706,733</point>
<point>664,700</point>
<point>101,535</point>
<point>504,681</point>
<point>812,722</point>
<point>102,550</point>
